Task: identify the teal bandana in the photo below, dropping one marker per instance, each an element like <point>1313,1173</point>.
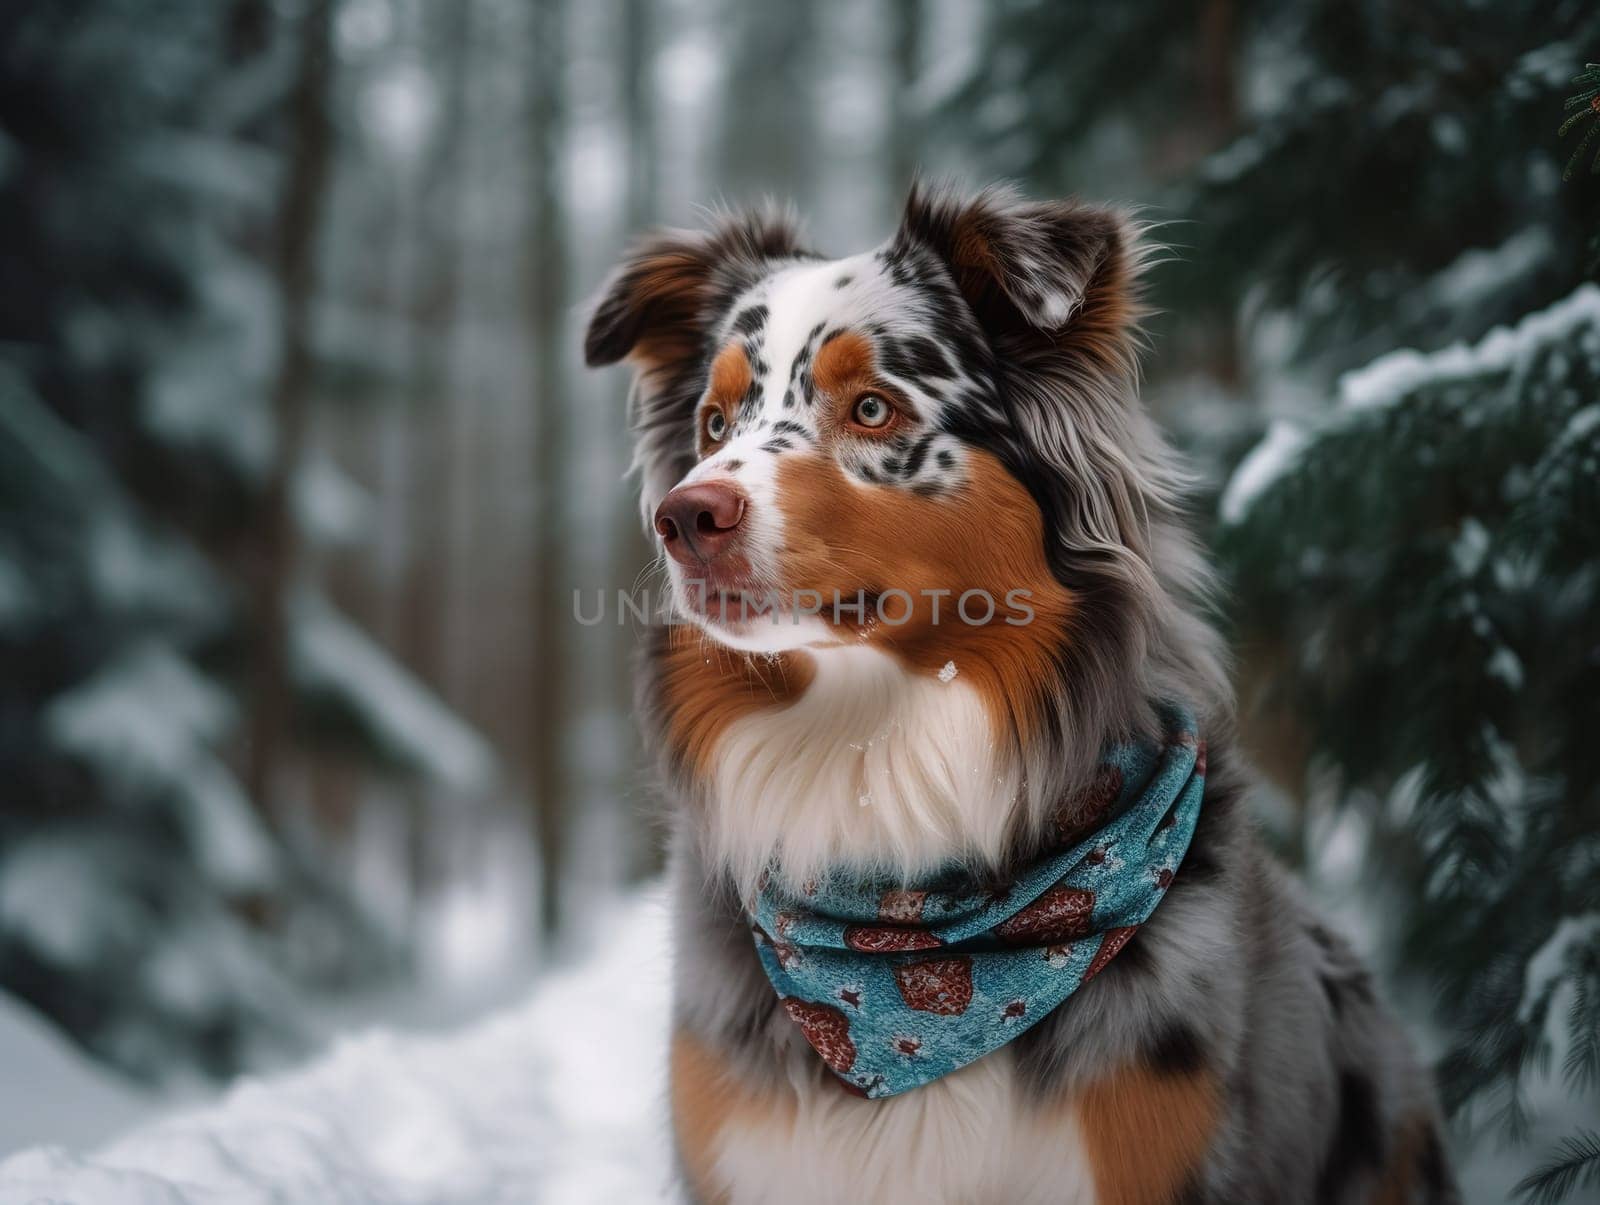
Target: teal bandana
<point>895,986</point>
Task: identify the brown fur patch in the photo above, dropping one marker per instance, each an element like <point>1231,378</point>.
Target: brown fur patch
<point>1146,1132</point>
<point>705,687</point>
<point>730,375</point>
<point>705,1094</point>
<point>844,366</point>
<point>987,535</point>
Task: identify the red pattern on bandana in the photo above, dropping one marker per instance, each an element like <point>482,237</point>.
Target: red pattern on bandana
<point>1110,946</point>
<point>936,985</point>
<point>882,939</point>
<point>1059,915</point>
<point>827,1029</point>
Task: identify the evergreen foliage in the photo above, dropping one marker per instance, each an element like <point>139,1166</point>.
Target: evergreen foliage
<point>1587,104</point>
<point>1575,1165</point>
<point>1424,563</point>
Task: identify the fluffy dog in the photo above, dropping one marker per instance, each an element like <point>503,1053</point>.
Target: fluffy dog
<point>929,565</point>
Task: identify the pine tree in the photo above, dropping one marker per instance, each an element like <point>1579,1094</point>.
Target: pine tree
<point>1414,565</point>
<point>148,904</point>
<point>1426,559</point>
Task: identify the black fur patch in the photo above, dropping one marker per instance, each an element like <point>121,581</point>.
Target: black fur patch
<point>784,427</point>
<point>751,321</point>
<point>1433,1169</point>
<point>1177,1050</point>
<point>1357,1138</point>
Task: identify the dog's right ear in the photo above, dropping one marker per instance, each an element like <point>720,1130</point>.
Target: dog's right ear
<point>658,310</point>
<point>652,301</point>
<point>657,305</point>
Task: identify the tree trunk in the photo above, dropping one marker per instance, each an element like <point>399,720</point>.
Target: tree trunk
<point>432,308</point>
<point>430,407</point>
<point>547,300</point>
<point>299,221</point>
<point>905,130</point>
<point>769,134</point>
<point>631,551</point>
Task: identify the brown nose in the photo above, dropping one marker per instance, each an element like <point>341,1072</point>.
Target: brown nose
<point>696,522</point>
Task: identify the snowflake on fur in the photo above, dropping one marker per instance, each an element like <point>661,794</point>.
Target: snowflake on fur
<point>1587,104</point>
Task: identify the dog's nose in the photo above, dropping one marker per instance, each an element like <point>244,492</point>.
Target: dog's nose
<point>696,522</point>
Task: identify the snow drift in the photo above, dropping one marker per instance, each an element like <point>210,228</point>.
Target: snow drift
<point>561,1099</point>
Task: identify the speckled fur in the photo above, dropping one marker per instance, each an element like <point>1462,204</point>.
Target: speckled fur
<point>1011,326</point>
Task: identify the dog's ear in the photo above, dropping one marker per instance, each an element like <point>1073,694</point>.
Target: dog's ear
<point>656,306</point>
<point>1056,276</point>
<point>657,310</point>
<point>652,301</point>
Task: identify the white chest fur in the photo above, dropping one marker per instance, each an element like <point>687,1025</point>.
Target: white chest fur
<point>873,767</point>
<point>966,1139</point>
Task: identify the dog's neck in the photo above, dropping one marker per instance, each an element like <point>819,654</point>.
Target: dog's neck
<point>874,768</point>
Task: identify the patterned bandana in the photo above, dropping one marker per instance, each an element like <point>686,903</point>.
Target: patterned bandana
<point>896,986</point>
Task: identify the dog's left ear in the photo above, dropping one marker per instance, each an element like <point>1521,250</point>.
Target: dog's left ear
<point>1050,276</point>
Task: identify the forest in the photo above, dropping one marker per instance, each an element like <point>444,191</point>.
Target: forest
<point>300,473</point>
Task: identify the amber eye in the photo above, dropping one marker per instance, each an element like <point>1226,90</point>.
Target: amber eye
<point>872,411</point>
<point>716,426</point>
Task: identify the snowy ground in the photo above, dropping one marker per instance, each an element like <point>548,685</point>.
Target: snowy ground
<point>49,1092</point>
<point>557,1100</point>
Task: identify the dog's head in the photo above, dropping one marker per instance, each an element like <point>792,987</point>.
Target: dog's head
<point>927,445</point>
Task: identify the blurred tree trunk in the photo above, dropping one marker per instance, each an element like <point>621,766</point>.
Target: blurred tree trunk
<point>639,104</point>
<point>434,289</point>
<point>546,284</point>
<point>430,410</point>
<point>905,118</point>
<point>1218,66</point>
<point>1219,36</point>
<point>769,133</point>
<point>631,551</point>
<point>299,222</point>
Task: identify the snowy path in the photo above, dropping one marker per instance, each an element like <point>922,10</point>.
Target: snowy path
<point>559,1100</point>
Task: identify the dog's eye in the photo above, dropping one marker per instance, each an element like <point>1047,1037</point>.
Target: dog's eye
<point>716,426</point>
<point>872,411</point>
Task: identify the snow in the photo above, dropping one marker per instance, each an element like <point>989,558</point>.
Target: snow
<point>947,673</point>
<point>69,1098</point>
<point>134,569</point>
<point>1581,425</point>
<point>1476,275</point>
<point>560,1099</point>
<point>1395,376</point>
<point>1391,377</point>
<point>183,406</point>
<point>1553,959</point>
<point>145,723</point>
<point>1470,547</point>
<point>1262,465</point>
<point>1505,665</point>
<point>332,655</point>
<point>330,506</point>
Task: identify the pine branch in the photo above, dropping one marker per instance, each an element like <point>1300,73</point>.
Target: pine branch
<point>1575,1165</point>
<point>1581,1069</point>
<point>1587,104</point>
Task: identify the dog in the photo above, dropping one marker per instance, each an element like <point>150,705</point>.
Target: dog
<point>830,451</point>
